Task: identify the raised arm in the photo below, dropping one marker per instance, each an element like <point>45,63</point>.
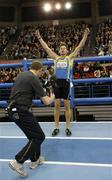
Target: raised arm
<point>81,44</point>
<point>51,53</point>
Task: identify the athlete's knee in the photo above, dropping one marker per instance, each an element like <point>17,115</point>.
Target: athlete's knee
<point>57,104</point>
<point>67,105</point>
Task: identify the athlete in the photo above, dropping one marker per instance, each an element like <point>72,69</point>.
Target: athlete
<point>63,62</point>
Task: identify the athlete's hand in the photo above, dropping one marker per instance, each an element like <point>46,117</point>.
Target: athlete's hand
<point>37,34</point>
<point>87,31</point>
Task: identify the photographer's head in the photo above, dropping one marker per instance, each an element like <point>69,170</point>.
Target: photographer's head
<point>36,68</point>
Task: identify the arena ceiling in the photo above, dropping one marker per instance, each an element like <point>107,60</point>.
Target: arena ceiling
<point>27,1</point>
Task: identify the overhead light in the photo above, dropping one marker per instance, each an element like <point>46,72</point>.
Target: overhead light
<point>47,7</point>
<point>58,6</point>
<point>68,5</point>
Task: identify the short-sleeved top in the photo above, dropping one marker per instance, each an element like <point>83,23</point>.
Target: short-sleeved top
<point>26,87</point>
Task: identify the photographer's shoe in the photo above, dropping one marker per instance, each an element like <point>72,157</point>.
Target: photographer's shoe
<point>14,165</point>
<point>55,132</point>
<point>39,161</point>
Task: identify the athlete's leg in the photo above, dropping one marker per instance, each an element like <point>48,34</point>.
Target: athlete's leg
<point>68,116</point>
<point>56,116</point>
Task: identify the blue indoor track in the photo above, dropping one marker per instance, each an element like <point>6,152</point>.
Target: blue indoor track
<point>86,155</point>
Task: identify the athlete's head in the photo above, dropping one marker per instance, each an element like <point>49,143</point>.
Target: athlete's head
<point>63,49</point>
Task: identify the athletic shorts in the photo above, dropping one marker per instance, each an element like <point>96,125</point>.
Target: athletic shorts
<point>61,89</point>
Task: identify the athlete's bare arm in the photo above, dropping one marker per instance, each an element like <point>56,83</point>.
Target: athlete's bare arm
<point>81,44</point>
<point>51,53</point>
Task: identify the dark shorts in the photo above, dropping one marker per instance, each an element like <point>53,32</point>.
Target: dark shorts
<point>61,89</point>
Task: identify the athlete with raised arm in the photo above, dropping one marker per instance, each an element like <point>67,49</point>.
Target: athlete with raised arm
<point>62,62</point>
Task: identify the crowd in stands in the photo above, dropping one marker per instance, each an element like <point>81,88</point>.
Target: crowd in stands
<point>8,75</point>
<point>103,41</point>
<point>92,70</point>
<point>27,45</point>
<point>6,33</point>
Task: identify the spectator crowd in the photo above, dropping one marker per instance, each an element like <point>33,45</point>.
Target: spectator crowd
<point>8,75</point>
<point>6,33</point>
<point>27,46</point>
<point>103,40</point>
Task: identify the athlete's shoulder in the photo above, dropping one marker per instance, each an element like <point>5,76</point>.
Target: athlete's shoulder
<point>58,57</point>
<point>67,57</point>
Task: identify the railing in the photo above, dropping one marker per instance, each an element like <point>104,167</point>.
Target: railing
<point>73,96</point>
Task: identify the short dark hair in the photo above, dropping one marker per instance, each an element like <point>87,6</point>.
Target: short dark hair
<point>63,44</point>
<point>36,65</point>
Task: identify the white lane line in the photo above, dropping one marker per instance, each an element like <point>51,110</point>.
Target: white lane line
<point>80,138</point>
<point>78,164</point>
<point>13,137</point>
<point>67,163</point>
<point>60,138</point>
